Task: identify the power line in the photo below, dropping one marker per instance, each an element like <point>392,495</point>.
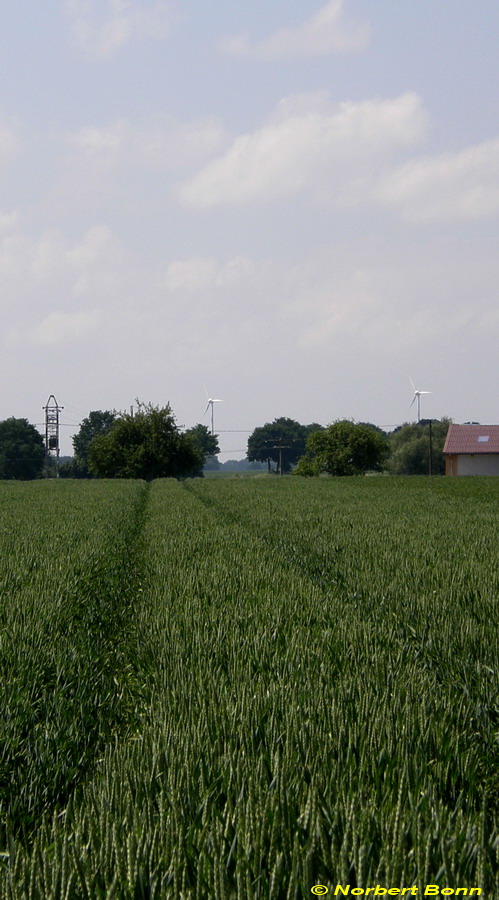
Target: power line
<point>61,424</point>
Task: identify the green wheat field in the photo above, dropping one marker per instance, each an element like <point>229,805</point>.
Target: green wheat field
<point>244,688</point>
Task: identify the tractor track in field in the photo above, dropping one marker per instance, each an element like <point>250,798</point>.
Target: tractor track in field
<point>90,689</point>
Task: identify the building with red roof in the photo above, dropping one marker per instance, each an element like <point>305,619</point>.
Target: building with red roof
<point>472,450</point>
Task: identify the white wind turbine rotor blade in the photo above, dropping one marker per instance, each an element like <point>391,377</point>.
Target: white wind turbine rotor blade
<point>413,385</point>
<point>207,407</point>
<point>413,400</point>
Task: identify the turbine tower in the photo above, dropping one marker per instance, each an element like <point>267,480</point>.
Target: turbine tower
<point>417,396</point>
<point>211,401</point>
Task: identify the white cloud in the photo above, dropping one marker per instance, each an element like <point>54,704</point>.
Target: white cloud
<point>98,244</point>
<point>191,275</point>
<point>46,256</point>
<point>100,28</point>
<point>53,261</point>
<point>180,144</point>
<point>203,273</point>
<point>61,284</point>
<point>100,147</point>
<point>353,309</point>
<point>60,327</point>
<point>328,31</point>
<point>307,148</point>
<point>346,156</point>
<point>168,145</point>
<point>449,187</point>
<point>125,163</point>
<point>8,221</point>
<point>343,315</point>
<point>393,296</point>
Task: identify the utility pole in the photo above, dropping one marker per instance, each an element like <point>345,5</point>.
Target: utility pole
<point>52,447</point>
<point>280,447</point>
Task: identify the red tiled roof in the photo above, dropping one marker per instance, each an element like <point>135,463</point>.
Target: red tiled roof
<point>472,439</point>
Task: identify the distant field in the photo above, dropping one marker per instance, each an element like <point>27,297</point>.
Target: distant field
<point>242,688</point>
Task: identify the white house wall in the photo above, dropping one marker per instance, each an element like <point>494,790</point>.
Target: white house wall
<point>478,465</point>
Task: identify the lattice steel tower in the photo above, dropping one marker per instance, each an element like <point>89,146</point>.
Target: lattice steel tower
<point>52,411</point>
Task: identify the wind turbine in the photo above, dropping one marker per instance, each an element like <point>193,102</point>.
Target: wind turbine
<point>211,401</point>
<point>417,396</point>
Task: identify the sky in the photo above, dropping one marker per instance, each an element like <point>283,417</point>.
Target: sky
<point>290,206</point>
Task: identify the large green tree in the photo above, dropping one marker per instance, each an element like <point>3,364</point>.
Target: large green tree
<point>410,447</point>
<point>22,451</point>
<point>204,440</point>
<point>146,444</point>
<point>98,422</point>
<point>344,448</point>
<point>282,440</point>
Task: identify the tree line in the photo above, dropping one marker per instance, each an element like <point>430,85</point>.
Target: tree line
<point>350,448</point>
<point>147,443</point>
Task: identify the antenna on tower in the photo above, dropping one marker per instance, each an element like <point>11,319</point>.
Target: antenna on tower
<point>52,410</point>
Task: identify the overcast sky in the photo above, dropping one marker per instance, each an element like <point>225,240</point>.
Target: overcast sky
<point>294,204</point>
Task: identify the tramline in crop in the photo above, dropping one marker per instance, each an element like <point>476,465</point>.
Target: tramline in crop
<point>247,688</point>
